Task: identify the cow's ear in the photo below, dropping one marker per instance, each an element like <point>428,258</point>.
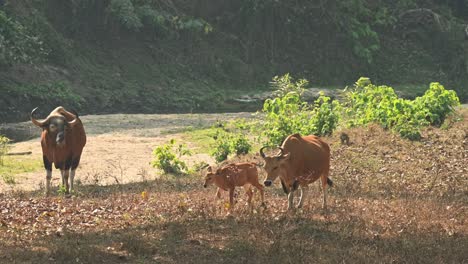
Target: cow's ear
<point>286,156</point>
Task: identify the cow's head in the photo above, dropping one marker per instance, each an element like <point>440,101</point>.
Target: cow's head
<point>56,125</point>
<point>210,176</point>
<point>274,165</point>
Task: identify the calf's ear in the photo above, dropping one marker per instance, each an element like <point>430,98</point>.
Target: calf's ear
<point>209,169</point>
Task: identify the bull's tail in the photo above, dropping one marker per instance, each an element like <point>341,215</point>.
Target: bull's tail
<point>329,182</point>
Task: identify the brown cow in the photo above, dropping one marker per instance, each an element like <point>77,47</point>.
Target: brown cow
<point>62,140</point>
<point>301,161</point>
<point>232,175</point>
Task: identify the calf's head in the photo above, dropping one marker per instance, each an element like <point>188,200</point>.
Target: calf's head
<point>56,125</point>
<point>274,165</point>
<point>210,177</point>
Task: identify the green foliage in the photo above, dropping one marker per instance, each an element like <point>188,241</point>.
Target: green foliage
<point>167,158</point>
<point>369,103</point>
<point>287,114</point>
<point>124,12</point>
<point>62,189</point>
<point>17,44</point>
<point>55,93</point>
<point>4,147</point>
<point>222,147</point>
<point>359,21</point>
<point>227,143</point>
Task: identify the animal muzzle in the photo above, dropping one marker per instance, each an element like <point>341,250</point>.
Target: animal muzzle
<point>267,183</point>
<point>60,138</point>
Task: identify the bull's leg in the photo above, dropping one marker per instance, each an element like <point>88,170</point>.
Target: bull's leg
<point>72,177</point>
<point>74,164</point>
<point>303,195</point>
<point>65,175</point>
<point>48,167</point>
<point>48,179</point>
<point>290,200</point>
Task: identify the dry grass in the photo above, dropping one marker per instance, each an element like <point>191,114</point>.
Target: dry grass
<point>393,201</point>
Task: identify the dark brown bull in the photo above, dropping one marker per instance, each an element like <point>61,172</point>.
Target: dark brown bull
<point>300,161</point>
<point>63,138</point>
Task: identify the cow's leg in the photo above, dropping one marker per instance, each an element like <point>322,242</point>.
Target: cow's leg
<point>290,200</point>
<point>303,195</point>
<point>48,167</point>
<point>323,178</point>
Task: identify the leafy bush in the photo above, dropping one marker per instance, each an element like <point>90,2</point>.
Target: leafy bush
<point>288,114</point>
<point>17,44</point>
<point>227,143</point>
<point>4,147</point>
<point>167,158</point>
<point>370,103</point>
<point>240,144</point>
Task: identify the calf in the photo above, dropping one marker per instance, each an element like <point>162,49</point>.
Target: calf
<point>232,175</point>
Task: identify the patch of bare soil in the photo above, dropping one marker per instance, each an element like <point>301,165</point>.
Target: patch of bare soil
<point>119,147</point>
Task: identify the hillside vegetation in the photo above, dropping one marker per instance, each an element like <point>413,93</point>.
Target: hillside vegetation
<point>166,56</point>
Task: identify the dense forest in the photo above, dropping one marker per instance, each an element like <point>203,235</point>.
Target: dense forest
<point>104,56</point>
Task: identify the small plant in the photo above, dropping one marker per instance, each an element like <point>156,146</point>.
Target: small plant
<point>227,143</point>
<point>8,179</point>
<point>4,147</point>
<point>240,144</point>
<point>222,147</point>
<point>62,190</point>
<point>167,158</point>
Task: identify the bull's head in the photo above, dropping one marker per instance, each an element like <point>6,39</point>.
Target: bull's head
<point>274,165</point>
<point>210,176</point>
<point>56,125</point>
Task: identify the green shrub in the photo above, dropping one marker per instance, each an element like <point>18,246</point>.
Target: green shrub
<point>287,114</point>
<point>227,143</point>
<point>222,147</point>
<point>240,144</point>
<point>368,103</point>
<point>167,158</point>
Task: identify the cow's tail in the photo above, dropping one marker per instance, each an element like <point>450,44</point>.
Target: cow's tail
<point>329,182</point>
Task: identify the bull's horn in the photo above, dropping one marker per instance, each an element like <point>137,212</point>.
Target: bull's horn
<point>261,152</point>
<point>73,122</point>
<point>37,122</point>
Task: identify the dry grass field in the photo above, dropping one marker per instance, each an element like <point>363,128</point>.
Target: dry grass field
<point>394,201</point>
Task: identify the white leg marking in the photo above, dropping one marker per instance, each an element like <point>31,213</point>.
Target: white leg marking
<point>303,195</point>
<point>72,177</point>
<point>290,200</point>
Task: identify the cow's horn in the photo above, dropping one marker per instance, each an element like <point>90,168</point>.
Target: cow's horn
<point>281,153</point>
<point>37,122</point>
<point>261,152</point>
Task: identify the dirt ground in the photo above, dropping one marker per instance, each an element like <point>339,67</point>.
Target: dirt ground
<point>119,147</point>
